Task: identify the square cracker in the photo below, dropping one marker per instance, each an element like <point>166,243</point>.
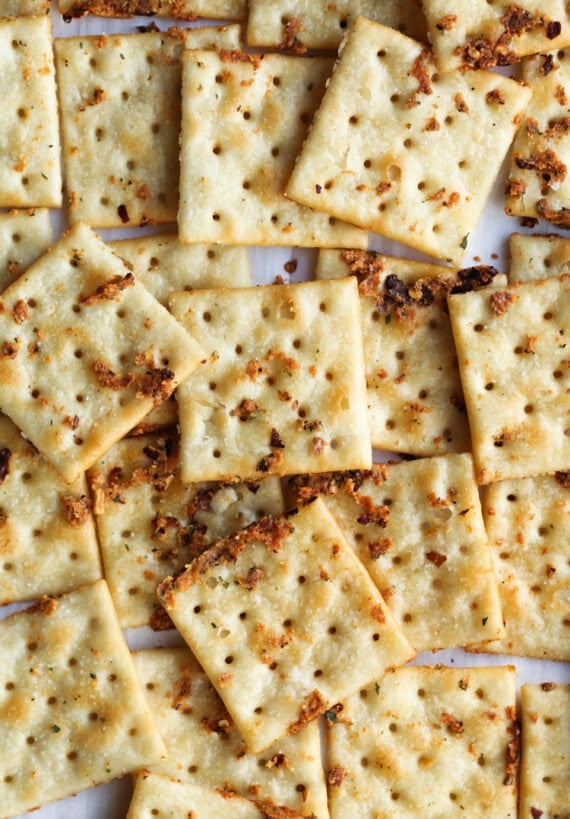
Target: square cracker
<point>205,748</point>
<point>73,712</point>
<point>415,401</point>
<point>244,119</point>
<point>515,367</point>
<point>30,174</point>
<point>120,102</point>
<point>320,24</point>
<point>396,148</point>
<point>481,34</point>
<point>284,389</point>
<point>160,795</point>
<point>24,236</point>
<point>527,522</point>
<point>418,529</point>
<point>180,9</point>
<point>85,351</point>
<point>538,184</point>
<point>150,524</point>
<point>426,741</point>
<point>48,543</point>
<point>164,265</point>
<point>545,759</point>
<point>537,257</point>
<point>275,614</point>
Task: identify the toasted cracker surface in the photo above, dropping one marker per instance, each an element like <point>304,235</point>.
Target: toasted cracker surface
<point>538,256</point>
<point>244,118</point>
<point>300,25</point>
<point>150,524</point>
<point>477,34</point>
<point>426,741</point>
<point>86,351</point>
<point>396,151</point>
<point>283,390</point>
<point>545,761</point>
<point>418,529</point>
<point>30,173</point>
<point>164,265</point>
<point>527,522</point>
<point>180,9</point>
<point>73,712</point>
<point>514,367</point>
<point>24,236</point>
<point>537,185</point>
<point>48,543</point>
<point>415,400</point>
<point>160,795</point>
<point>274,613</point>
<point>205,748</point>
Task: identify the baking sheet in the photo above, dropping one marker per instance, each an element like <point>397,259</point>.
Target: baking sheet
<point>488,245</point>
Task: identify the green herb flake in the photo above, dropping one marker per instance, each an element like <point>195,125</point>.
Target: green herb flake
<point>55,729</point>
<point>463,242</point>
<point>377,688</point>
<point>330,715</point>
<point>484,621</point>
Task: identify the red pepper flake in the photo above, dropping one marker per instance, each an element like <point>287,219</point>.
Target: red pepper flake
<point>336,776</point>
<point>291,266</point>
<point>9,350</point>
<point>548,686</point>
<point>536,813</point>
<point>453,724</point>
<point>379,547</point>
<point>107,378</point>
<point>378,613</point>
<point>436,558</point>
<point>548,65</point>
<point>501,301</point>
<point>275,440</point>
<point>21,311</point>
<point>76,510</point>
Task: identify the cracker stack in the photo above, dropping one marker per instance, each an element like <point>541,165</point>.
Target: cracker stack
<point>185,446</point>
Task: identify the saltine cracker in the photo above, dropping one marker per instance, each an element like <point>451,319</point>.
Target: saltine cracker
<point>30,174</point>
<point>275,613</point>
<point>284,388</point>
<point>205,748</point>
<point>398,149</point>
<point>73,712</point>
<point>24,236</point>
<point>514,365</point>
<point>418,529</point>
<point>179,9</point>
<point>537,257</point>
<point>86,351</point>
<point>244,119</point>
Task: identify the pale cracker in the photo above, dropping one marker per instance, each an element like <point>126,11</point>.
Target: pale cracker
<point>538,186</point>
<point>24,236</point>
<point>120,102</point>
<point>299,25</point>
<point>30,174</point>
<point>157,795</point>
<point>85,351</point>
<point>426,741</point>
<point>19,8</point>
<point>396,148</point>
<point>284,389</point>
<point>481,34</point>
<point>150,524</point>
<point>48,543</point>
<point>537,256</point>
<point>527,522</point>
<point>515,366</point>
<point>275,614</point>
<point>545,759</point>
<point>205,748</point>
<point>418,529</point>
<point>164,265</point>
<point>73,712</point>
<point>415,401</point>
<point>244,119</point>
<point>180,9</point>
